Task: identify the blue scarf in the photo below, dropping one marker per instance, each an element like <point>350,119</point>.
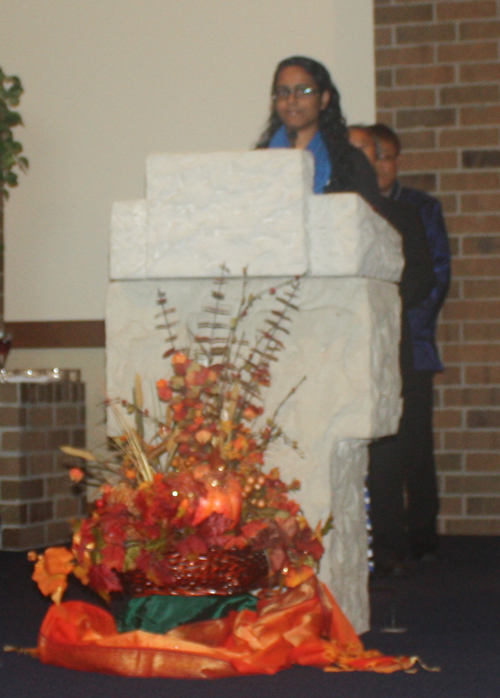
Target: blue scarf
<point>322,164</point>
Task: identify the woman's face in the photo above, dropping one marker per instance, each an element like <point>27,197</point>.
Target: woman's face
<point>298,100</point>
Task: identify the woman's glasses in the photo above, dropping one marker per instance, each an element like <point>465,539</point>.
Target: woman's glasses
<point>298,91</point>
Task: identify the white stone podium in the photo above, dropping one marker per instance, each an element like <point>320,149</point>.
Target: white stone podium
<point>257,210</point>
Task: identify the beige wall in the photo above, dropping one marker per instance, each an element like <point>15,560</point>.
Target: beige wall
<point>109,81</point>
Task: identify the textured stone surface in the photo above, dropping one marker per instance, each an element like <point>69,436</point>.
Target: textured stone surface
<point>127,254</point>
<point>346,238</point>
<point>343,561</point>
<point>344,339</point>
<point>246,209</point>
<point>253,210</point>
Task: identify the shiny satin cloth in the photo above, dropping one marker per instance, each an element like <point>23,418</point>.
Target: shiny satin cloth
<point>301,626</point>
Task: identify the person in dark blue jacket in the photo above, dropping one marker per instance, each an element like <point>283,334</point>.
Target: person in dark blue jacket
<point>420,473</point>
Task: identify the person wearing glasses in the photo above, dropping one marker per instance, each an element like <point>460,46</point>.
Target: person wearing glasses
<point>305,113</point>
<point>420,469</point>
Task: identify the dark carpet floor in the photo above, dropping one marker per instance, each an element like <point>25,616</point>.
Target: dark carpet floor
<point>449,608</point>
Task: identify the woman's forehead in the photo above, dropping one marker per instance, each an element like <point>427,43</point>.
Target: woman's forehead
<point>294,75</point>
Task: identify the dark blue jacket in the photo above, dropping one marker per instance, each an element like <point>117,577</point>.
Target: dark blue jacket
<point>423,318</point>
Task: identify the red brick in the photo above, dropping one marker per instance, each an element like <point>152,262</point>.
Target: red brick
<point>481,332</point>
<point>483,419</point>
<point>455,289</point>
<point>483,288</point>
<point>449,332</point>
<point>404,13</point>
<point>482,375</point>
<point>470,116</point>
<point>386,117</point>
<point>9,393</point>
<point>469,94</point>
<point>24,538</point>
<point>474,266</point>
<point>474,9</point>
<point>479,30</point>
<point>58,532</point>
<point>433,160</point>
<point>449,205</point>
<point>482,462</point>
<point>388,99</point>
<point>468,137</point>
<point>481,244</point>
<point>418,140</point>
<point>480,202</point>
<point>472,440</point>
<point>483,506</point>
<point>474,224</point>
<point>465,397</point>
<point>15,466</point>
<point>67,507</point>
<point>472,484</point>
<point>426,117</point>
<point>383,36</point>
<point>40,511</point>
<point>425,75</point>
<point>13,514</point>
<point>447,419</point>
<point>448,462</point>
<point>471,353</point>
<point>22,489</point>
<point>425,33</point>
<point>409,55</point>
<point>450,376</point>
<point>451,506</point>
<point>480,72</point>
<point>66,416</point>
<point>78,438</point>
<point>39,416</point>
<point>480,51</point>
<point>383,78</point>
<point>487,159</point>
<point>472,527</point>
<point>426,181</point>
<point>33,441</point>
<point>467,180</point>
<point>58,484</point>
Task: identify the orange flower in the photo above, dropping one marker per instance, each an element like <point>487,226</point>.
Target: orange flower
<point>180,363</point>
<point>294,576</point>
<point>251,412</point>
<point>164,390</point>
<point>51,571</point>
<point>203,436</point>
<point>76,474</point>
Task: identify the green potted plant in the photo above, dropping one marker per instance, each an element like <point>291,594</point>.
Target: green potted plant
<point>11,160</point>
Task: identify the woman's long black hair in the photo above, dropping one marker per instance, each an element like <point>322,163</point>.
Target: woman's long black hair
<point>332,124</point>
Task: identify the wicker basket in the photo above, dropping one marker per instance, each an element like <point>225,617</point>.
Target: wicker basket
<point>222,572</point>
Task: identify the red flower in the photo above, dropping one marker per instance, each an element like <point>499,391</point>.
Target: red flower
<point>164,390</point>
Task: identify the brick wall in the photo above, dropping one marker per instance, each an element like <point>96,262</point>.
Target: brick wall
<point>438,72</point>
<point>36,496</point>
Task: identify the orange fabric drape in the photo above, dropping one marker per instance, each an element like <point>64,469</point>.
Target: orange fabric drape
<point>301,626</point>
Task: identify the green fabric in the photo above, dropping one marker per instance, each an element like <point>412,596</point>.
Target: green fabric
<point>158,614</point>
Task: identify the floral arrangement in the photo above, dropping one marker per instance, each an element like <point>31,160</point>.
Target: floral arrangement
<point>198,485</point>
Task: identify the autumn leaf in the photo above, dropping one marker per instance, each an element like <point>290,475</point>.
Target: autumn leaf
<point>51,571</point>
